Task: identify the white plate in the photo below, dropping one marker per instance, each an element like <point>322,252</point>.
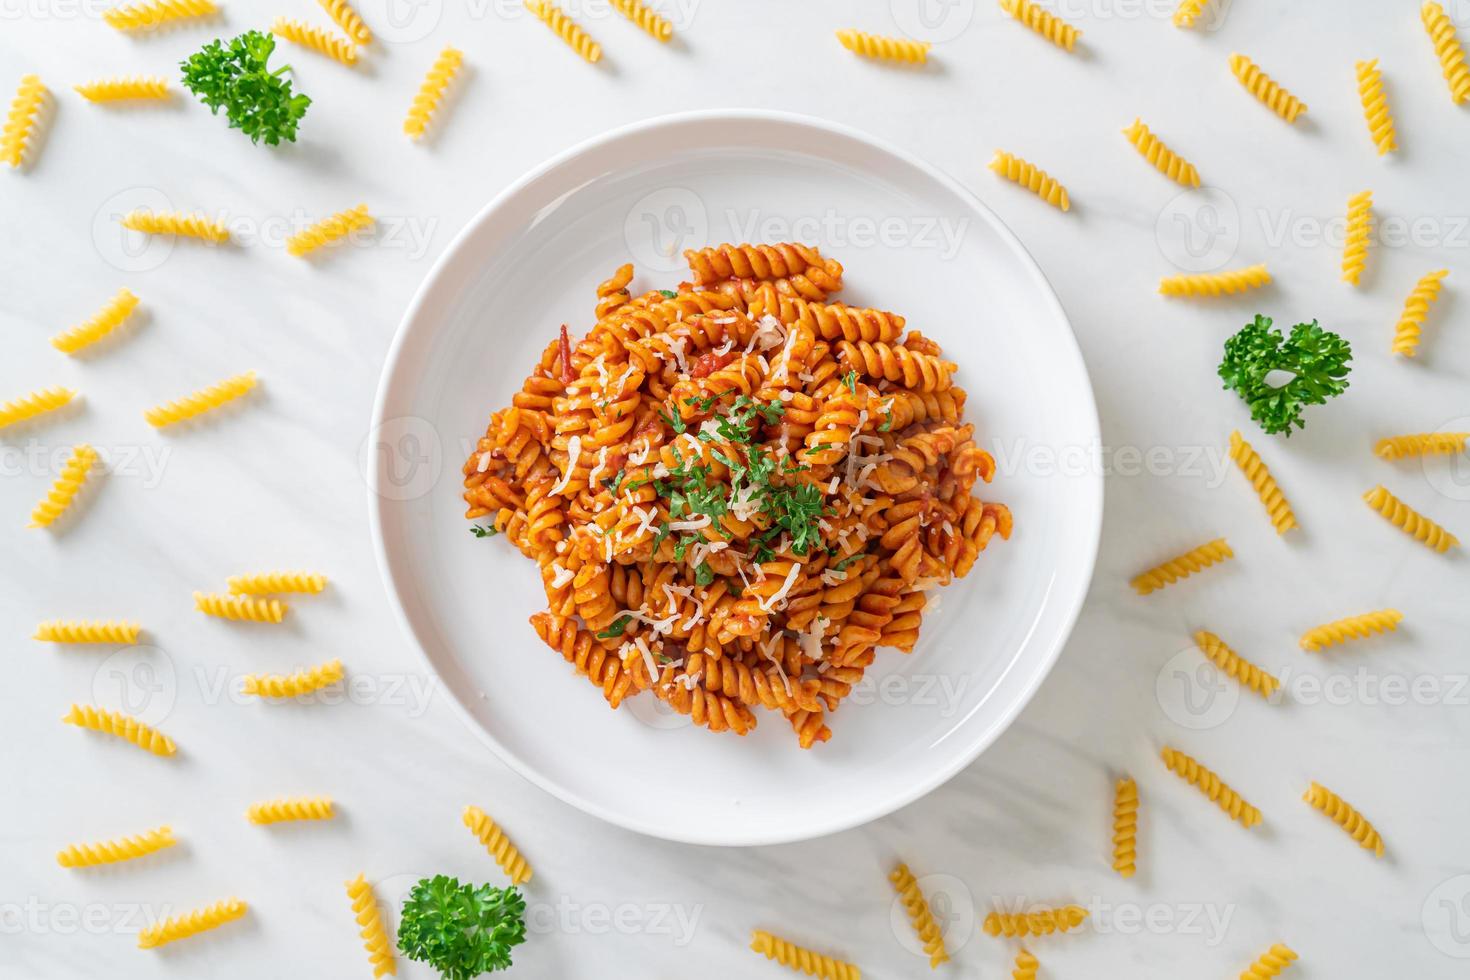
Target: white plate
<point>529,262</point>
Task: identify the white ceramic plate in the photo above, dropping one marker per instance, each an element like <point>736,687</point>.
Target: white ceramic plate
<point>912,241</point>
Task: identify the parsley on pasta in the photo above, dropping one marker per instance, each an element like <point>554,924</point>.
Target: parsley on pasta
<point>480,531</point>
<point>615,629</point>
<point>236,77</point>
<point>461,930</point>
<point>1317,359</point>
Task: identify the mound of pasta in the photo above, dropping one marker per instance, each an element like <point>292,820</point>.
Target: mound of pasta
<point>737,490</point>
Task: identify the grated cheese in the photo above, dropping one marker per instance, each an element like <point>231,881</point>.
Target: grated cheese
<point>601,465</point>
<point>485,458</point>
<point>574,454</point>
<point>780,594</point>
<point>767,650</point>
<point>561,576</point>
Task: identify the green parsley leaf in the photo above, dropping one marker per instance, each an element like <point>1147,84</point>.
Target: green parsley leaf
<point>704,575</point>
<point>615,628</point>
<point>1317,358</point>
<point>674,422</point>
<point>236,78</point>
<point>668,293</point>
<point>462,931</point>
<point>850,379</point>
<point>842,565</point>
<point>480,531</point>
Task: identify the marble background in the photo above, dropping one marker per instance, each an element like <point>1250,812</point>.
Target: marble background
<point>279,483</point>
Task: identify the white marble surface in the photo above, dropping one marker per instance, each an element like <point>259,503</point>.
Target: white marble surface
<point>278,484</point>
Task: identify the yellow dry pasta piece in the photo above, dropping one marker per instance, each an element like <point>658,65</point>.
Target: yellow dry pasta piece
<point>36,403</point>
<point>68,484</point>
<point>1188,12</point>
<point>884,48</point>
<point>118,89</point>
<point>87,631</point>
<point>801,959</point>
<point>1255,470</point>
<point>346,18</point>
<point>1270,964</point>
<point>1421,444</point>
<point>1031,177</point>
<point>1349,819</point>
<point>499,846</point>
<point>115,850</point>
<point>176,223</point>
<point>192,923</point>
<point>329,230</point>
<point>1125,827</point>
<point>125,727</point>
<point>1409,520</point>
<point>1183,566</point>
<point>200,401</point>
<point>1270,93</point>
<point>20,124</point>
<point>1357,236</point>
<point>104,322</point>
<point>1233,664</point>
<point>1164,160</point>
<point>266,583</point>
<point>1043,22</point>
<point>1026,966</point>
<point>1411,321</point>
<point>1375,106</point>
<point>435,84</point>
<point>645,17</point>
<point>148,15</point>
<point>918,909</point>
<point>1042,922</point>
<point>317,39</point>
<point>283,810</point>
<point>1351,628</point>
<point>566,29</point>
<point>294,685</point>
<point>1212,786</point>
<point>1215,283</point>
<point>1448,49</point>
<point>241,607</point>
<point>370,925</point>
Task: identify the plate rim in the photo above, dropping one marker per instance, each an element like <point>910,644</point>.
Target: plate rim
<point>1072,352</point>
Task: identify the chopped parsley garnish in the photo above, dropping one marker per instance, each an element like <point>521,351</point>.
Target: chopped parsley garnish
<point>842,565</point>
<point>615,628</point>
<point>674,422</point>
<point>850,379</point>
<point>704,575</point>
<point>480,531</point>
<point>668,293</point>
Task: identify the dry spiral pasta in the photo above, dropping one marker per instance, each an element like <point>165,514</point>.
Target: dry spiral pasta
<point>1208,783</point>
<point>89,631</point>
<point>1351,628</point>
<point>1421,444</point>
<point>1375,106</point>
<point>20,124</point>
<point>488,833</point>
<point>884,48</point>
<point>174,223</point>
<point>1255,470</point>
<point>151,13</point>
<point>1026,965</point>
<point>1163,159</point>
<point>917,908</point>
<point>1358,827</point>
<point>1357,236</point>
<point>1188,12</point>
<point>1270,93</point>
<point>567,29</point>
<point>370,927</point>
<point>329,230</point>
<point>1212,284</point>
<point>1125,827</point>
<point>125,727</point>
<point>801,959</point>
<point>27,407</point>
<point>645,17</point>
<point>153,87</point>
<point>431,92</point>
<point>287,810</point>
<point>294,685</point>
<point>317,39</point>
<point>1406,332</point>
<point>104,322</point>
<point>1043,22</point>
<point>1234,665</point>
<point>1031,177</point>
<point>1270,963</point>
<point>241,607</point>
<point>347,19</point>
<point>68,484</point>
<point>1409,520</point>
<point>1042,922</point>
<point>117,849</point>
<point>1183,566</point>
<point>191,923</point>
<point>201,401</point>
<point>1448,49</point>
<point>266,583</point>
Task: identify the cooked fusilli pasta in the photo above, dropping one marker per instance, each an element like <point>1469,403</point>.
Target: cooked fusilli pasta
<point>1270,964</point>
<point>1125,827</point>
<point>1270,93</point>
<point>1448,49</point>
<point>241,607</point>
<point>1026,966</point>
<point>68,484</point>
<point>87,631</point>
<point>115,850</point>
<point>174,223</point>
<point>1188,12</point>
<point>488,833</point>
<point>1042,922</point>
<point>645,17</point>
<point>1421,444</point>
<point>1164,160</point>
<point>318,39</point>
<point>370,925</point>
<point>200,401</point>
<point>883,47</point>
<point>267,583</point>
<point>431,92</point>
<point>917,906</point>
<point>1358,235</point>
<point>36,403</point>
<point>294,685</point>
<point>1349,819</point>
<point>1409,520</point>
<point>1255,470</point>
<point>612,292</point>
<point>1043,22</point>
<point>1212,786</point>
<point>346,18</point>
<point>567,29</point>
<point>106,320</point>
<point>192,923</point>
<point>125,727</point>
<point>151,13</point>
<point>282,810</point>
<point>1375,106</point>
<point>801,959</point>
<point>1185,565</point>
<point>1411,321</point>
<point>1031,177</point>
<point>1351,628</point>
<point>329,230</point>
<point>1234,665</point>
<point>735,493</point>
<point>20,124</point>
<point>1215,283</point>
<point>117,89</point>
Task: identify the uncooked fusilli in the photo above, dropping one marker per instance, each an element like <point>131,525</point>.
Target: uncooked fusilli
<point>1349,819</point>
<point>125,727</point>
<point>884,48</point>
<point>200,401</point>
<point>151,13</point>
<point>1270,93</point>
<point>117,849</point>
<point>488,832</point>
<point>1234,665</point>
<point>1042,922</point>
<point>104,322</point>
<point>917,907</point>
<point>1043,22</point>
<point>268,583</point>
<point>645,17</point>
<point>1375,106</point>
<point>1026,966</point>
<point>294,685</point>
<point>1215,283</point>
<point>1188,12</point>
<point>318,39</point>
<point>1409,520</point>
<point>240,607</point>
<point>329,230</point>
<point>1185,565</point>
<point>1212,786</point>
<point>1448,49</point>
<point>370,927</point>
<point>283,810</point>
<point>192,923</point>
<point>1421,444</point>
<point>1255,470</point>
<point>68,484</point>
<point>1164,160</point>
<point>1351,628</point>
<point>173,223</point>
<point>346,18</point>
<point>1031,177</point>
<point>801,959</point>
<point>567,29</point>
<point>87,631</point>
<point>1407,331</point>
<point>20,123</point>
<point>36,403</point>
<point>1125,827</point>
<point>431,92</point>
<point>1357,236</point>
<point>153,87</point>
<point>1270,964</point>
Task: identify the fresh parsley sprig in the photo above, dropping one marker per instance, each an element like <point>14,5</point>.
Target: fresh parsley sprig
<point>236,77</point>
<point>461,930</point>
<point>1317,359</point>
